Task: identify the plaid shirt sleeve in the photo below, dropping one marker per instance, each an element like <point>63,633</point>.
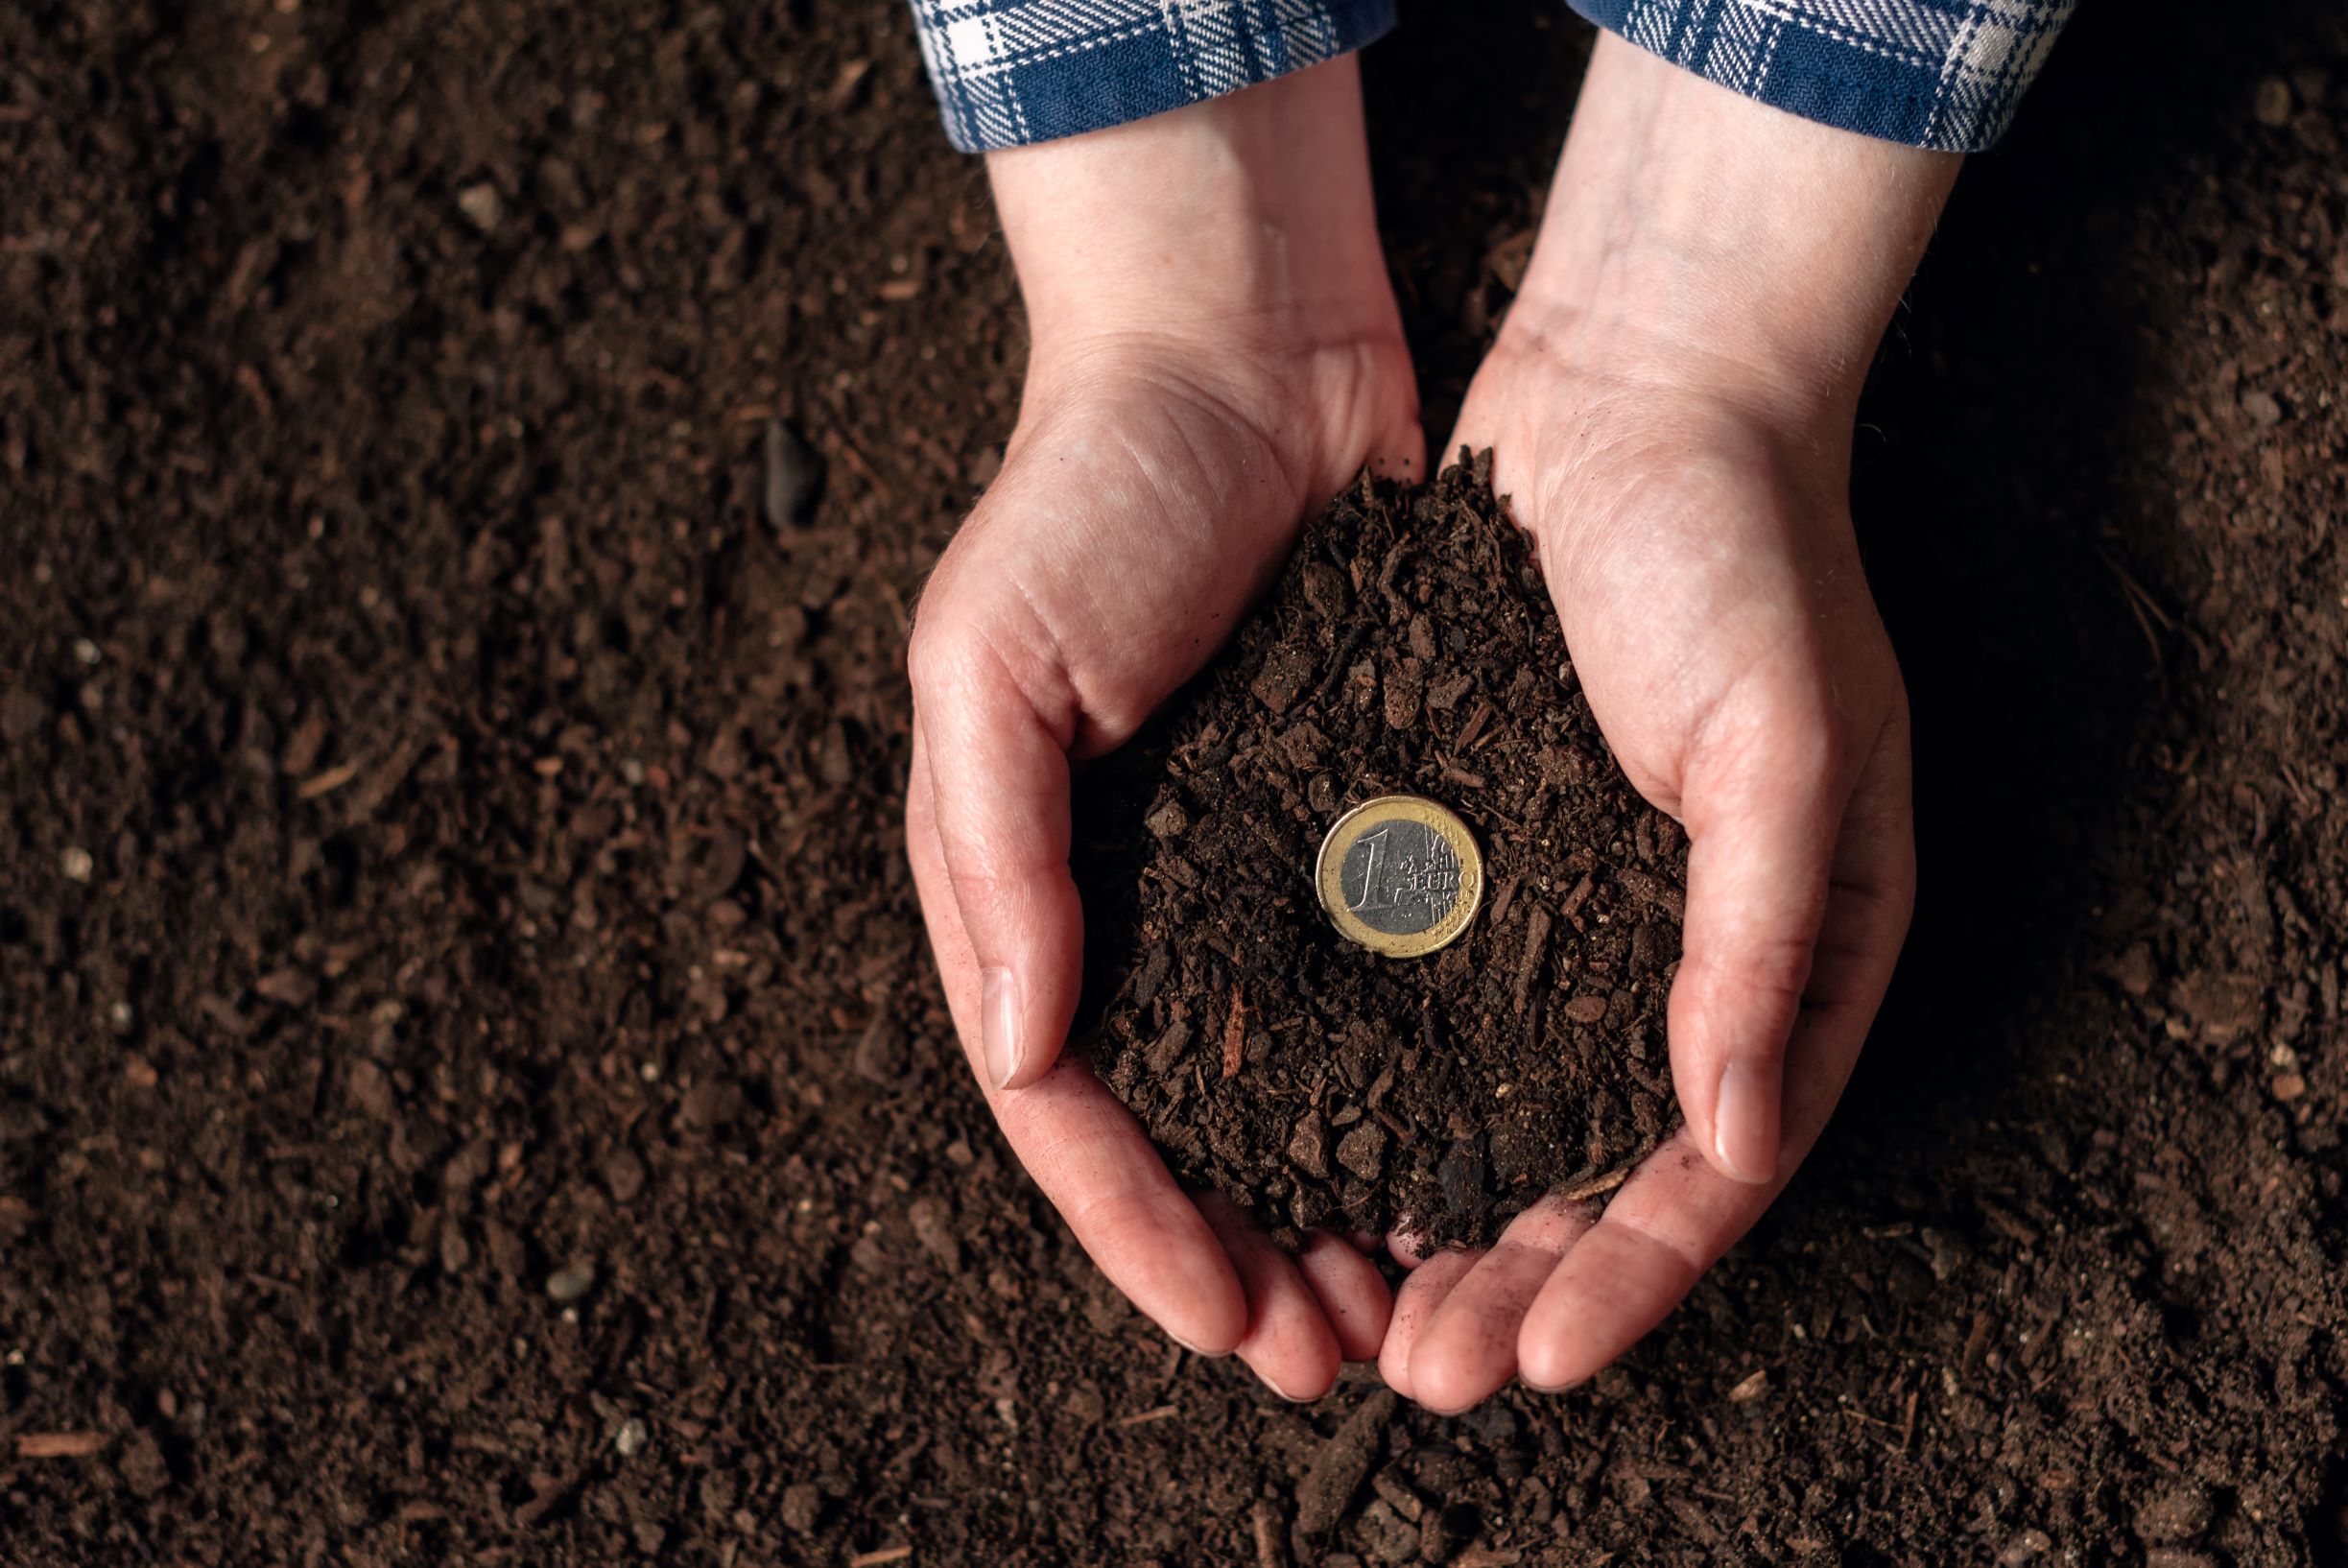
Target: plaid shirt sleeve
<point>1940,74</point>
<point>1010,72</point>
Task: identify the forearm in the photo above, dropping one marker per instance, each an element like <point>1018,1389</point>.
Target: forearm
<point>1695,233</point>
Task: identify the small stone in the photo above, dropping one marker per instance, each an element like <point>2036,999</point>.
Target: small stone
<point>22,715</point>
<point>792,473</point>
<point>1385,1535</point>
<point>2025,1547</point>
<point>1168,1048</point>
<point>1422,638</point>
<point>932,1225</point>
<point>2132,970</point>
<point>2180,1511</point>
<point>1445,1530</point>
<point>2261,408</point>
<point>1169,821</point>
<point>371,1089</point>
<point>1461,1172</point>
<point>1307,1148</point>
<point>2287,1086</point>
<point>1322,793</point>
<point>483,208</point>
<point>1326,590</point>
<point>570,1283</point>
<point>1363,1150</point>
<point>142,1465</point>
<point>629,1440</point>
<point>879,1056</point>
<point>2272,102</point>
<point>624,1176</point>
<point>713,1103</point>
<point>86,652</point>
<point>1406,684</point>
<point>1585,1009</point>
<point>78,866</point>
<point>802,1506</point>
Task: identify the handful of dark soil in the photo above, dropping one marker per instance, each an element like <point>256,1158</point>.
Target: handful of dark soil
<point>1410,648</point>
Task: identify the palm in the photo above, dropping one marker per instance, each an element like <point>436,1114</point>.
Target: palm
<point>1712,599</point>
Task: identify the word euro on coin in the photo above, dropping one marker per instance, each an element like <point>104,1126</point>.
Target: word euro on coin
<point>1400,874</point>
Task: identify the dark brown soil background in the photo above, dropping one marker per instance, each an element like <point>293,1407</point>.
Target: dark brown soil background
<point>1409,648</point>
<point>470,1085</point>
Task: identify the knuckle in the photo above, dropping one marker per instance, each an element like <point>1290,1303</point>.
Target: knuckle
<point>937,655</point>
<point>1767,977</point>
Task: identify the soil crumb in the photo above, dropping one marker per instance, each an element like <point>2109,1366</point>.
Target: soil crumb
<point>1409,648</point>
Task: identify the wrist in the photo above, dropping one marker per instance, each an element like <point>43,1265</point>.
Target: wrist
<point>1241,223</point>
<point>1697,242</point>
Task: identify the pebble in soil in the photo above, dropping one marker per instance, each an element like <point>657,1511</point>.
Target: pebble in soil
<point>1409,647</point>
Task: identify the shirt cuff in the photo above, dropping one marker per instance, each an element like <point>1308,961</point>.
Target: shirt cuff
<point>1939,74</point>
<point>1010,72</point>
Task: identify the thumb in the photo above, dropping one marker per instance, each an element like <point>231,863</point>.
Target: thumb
<point>1761,850</point>
<point>998,762</point>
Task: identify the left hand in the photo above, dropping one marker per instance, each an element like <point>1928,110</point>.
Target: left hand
<point>1670,408</point>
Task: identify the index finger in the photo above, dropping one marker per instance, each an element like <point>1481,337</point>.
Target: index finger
<point>1084,1150</point>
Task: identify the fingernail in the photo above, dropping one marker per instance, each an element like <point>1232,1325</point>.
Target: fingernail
<point>1268,1383</point>
<point>999,1024</point>
<point>1744,1123</point>
<point>1194,1350</point>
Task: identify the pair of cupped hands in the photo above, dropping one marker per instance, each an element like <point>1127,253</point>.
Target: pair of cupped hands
<point>1670,404</point>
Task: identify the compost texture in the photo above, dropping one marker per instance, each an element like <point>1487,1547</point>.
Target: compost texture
<point>472,1084</point>
<point>1409,648</point>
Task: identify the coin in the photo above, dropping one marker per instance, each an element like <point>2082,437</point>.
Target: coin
<point>1400,874</point>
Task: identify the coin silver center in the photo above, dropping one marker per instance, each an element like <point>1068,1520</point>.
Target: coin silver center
<point>1401,877</point>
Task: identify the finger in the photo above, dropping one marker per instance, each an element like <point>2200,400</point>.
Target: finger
<point>1405,1245</point>
<point>999,723</point>
<point>1677,1213</point>
<point>1417,1303</point>
<point>1760,808</point>
<point>1467,1351</point>
<point>1400,450</point>
<point>1353,1294</point>
<point>1288,1343</point>
<point>1091,1159</point>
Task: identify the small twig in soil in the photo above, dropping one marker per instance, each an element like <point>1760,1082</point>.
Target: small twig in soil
<point>1264,1521</point>
<point>328,782</point>
<point>874,1559</point>
<point>1235,1035</point>
<point>59,1445</point>
<point>1537,942</point>
<point>2140,605</point>
<point>1599,1185</point>
<point>1158,1413</point>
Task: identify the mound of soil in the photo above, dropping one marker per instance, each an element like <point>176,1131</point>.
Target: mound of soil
<point>1410,648</point>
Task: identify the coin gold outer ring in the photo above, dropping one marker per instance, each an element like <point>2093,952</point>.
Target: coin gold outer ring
<point>1328,874</point>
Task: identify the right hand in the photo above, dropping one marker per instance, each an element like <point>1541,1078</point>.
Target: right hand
<point>1216,354</point>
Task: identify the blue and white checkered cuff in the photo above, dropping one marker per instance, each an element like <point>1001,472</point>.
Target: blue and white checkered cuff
<point>1010,72</point>
<point>1940,74</point>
